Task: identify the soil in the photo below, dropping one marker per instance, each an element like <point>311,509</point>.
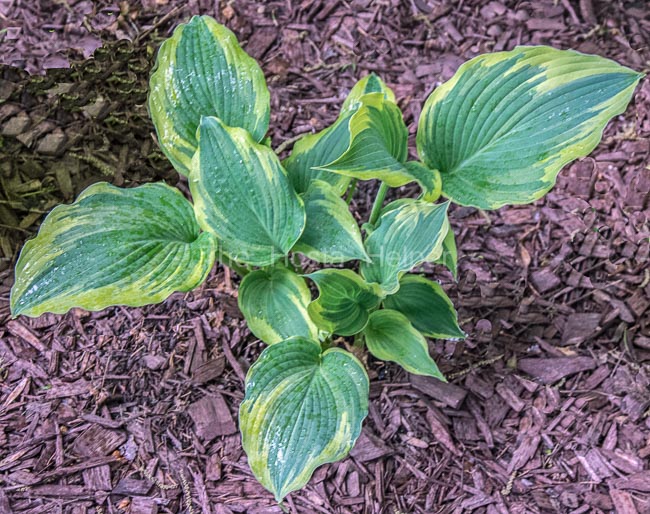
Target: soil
<point>547,409</point>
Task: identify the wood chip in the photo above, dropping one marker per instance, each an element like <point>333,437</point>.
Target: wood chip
<point>553,369</point>
<point>449,394</point>
<point>98,441</point>
<point>212,417</point>
<point>369,447</point>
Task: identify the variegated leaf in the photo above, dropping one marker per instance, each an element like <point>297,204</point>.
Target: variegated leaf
<point>112,247</point>
<point>407,233</point>
<point>274,303</point>
<point>506,123</point>
<point>243,196</point>
<point>303,408</point>
<point>331,233</point>
<point>427,307</point>
<point>391,337</point>
<point>345,301</point>
<point>202,71</point>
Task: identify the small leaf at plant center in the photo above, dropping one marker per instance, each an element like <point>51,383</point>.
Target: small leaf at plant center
<point>408,231</point>
<point>331,233</point>
<point>345,301</point>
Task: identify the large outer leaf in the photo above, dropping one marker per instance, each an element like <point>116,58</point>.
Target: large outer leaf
<point>112,247</point>
<point>202,71</point>
<point>391,337</point>
<point>331,234</point>
<point>345,301</point>
<point>408,232</point>
<point>243,196</point>
<point>274,303</point>
<point>505,124</point>
<point>303,408</point>
<point>427,307</point>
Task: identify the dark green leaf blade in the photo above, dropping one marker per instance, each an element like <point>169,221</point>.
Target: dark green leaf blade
<point>202,71</point>
<point>274,303</point>
<point>303,408</point>
<point>243,196</point>
<point>506,123</point>
<point>427,307</point>
<point>112,246</point>
<point>331,234</point>
<point>390,337</point>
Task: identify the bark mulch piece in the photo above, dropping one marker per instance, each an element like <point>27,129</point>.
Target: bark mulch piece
<point>547,409</point>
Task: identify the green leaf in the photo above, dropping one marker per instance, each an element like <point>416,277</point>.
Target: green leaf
<point>243,196</point>
<point>331,234</point>
<point>506,123</point>
<point>274,303</point>
<point>408,231</point>
<point>369,84</point>
<point>112,247</point>
<point>426,306</point>
<point>345,301</point>
<point>429,180</point>
<point>391,337</point>
<point>449,254</point>
<point>313,151</point>
<point>378,145</point>
<point>303,408</point>
<point>202,71</point>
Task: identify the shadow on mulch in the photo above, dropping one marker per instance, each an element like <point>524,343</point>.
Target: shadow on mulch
<point>134,410</point>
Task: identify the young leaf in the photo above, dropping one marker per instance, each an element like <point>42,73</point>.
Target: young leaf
<point>331,234</point>
<point>378,143</point>
<point>449,254</point>
<point>391,337</point>
<point>243,196</point>
<point>426,306</point>
<point>303,408</point>
<point>313,151</point>
<point>506,123</point>
<point>408,232</point>
<point>274,303</point>
<point>112,247</point>
<point>202,71</point>
<point>369,84</point>
<point>345,301</point>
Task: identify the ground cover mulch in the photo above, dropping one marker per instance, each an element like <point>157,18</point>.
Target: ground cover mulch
<point>134,410</point>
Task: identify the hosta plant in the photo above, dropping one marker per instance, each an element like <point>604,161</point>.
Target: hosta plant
<point>497,133</point>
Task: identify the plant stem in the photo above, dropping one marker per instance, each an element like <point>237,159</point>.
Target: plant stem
<point>353,188</point>
<point>285,144</point>
<point>379,200</point>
